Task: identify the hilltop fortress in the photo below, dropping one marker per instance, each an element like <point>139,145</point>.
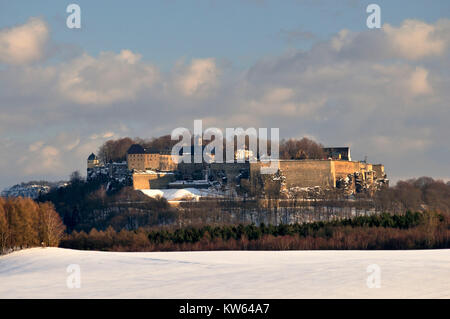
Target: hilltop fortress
<point>153,169</point>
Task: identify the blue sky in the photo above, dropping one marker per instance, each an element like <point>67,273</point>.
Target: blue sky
<point>142,68</point>
<point>239,32</point>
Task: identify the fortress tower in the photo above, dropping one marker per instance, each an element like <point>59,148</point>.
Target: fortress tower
<point>92,161</point>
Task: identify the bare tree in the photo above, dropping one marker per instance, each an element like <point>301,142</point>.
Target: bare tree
<point>301,149</point>
<point>51,226</point>
<point>4,229</point>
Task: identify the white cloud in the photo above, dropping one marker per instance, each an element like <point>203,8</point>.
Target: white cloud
<point>419,82</point>
<point>278,95</point>
<point>70,146</point>
<point>283,101</point>
<point>342,39</point>
<point>197,78</point>
<point>401,144</point>
<point>110,78</point>
<point>36,146</point>
<point>24,43</point>
<point>52,159</point>
<point>41,159</point>
<point>102,135</point>
<point>403,80</point>
<point>415,39</point>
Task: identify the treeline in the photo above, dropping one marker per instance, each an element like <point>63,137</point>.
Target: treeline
<point>304,148</point>
<point>253,232</point>
<point>407,231</point>
<point>116,150</point>
<point>84,205</point>
<point>416,194</point>
<point>25,223</point>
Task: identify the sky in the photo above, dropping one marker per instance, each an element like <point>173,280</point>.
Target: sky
<point>143,68</point>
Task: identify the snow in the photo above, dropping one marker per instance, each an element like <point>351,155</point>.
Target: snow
<point>42,273</point>
<point>194,182</point>
<point>26,190</point>
<point>173,194</point>
<point>152,172</point>
<point>181,194</point>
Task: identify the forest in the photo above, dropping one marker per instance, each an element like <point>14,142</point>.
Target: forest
<point>85,205</point>
<point>414,214</point>
<point>25,223</point>
<point>407,231</point>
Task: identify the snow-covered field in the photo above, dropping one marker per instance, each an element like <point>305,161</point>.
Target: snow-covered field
<point>42,273</point>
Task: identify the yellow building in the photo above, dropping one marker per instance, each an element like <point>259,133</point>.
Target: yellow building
<point>140,159</point>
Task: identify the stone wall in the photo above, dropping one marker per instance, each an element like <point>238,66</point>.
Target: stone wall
<point>344,168</point>
<point>322,173</point>
<point>299,173</point>
<point>231,170</point>
<point>308,173</point>
<point>191,170</point>
<point>379,170</point>
<point>152,180</point>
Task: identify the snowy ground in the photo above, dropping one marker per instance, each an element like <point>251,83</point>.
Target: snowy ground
<point>181,194</point>
<point>42,273</point>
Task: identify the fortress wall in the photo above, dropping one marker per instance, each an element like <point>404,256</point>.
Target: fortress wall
<point>301,173</point>
<point>140,182</point>
<point>231,169</point>
<point>379,170</point>
<point>152,181</point>
<point>323,173</point>
<point>162,182</point>
<point>344,168</point>
<point>190,168</point>
<point>309,173</point>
